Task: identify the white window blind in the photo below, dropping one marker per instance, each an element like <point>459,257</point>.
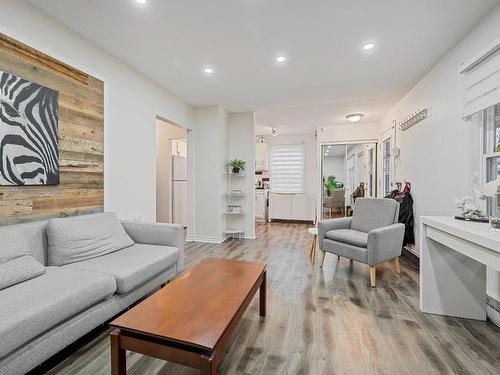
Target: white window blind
<point>482,80</point>
<point>286,168</point>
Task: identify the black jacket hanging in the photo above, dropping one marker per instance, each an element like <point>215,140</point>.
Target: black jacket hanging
<point>405,213</point>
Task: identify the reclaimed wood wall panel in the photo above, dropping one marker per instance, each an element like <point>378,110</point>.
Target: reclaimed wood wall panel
<point>81,139</point>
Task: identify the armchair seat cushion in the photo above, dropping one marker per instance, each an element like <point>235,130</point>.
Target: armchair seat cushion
<point>348,236</point>
<point>345,250</point>
<point>132,266</point>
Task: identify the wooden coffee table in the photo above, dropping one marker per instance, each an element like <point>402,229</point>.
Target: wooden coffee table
<point>191,319</point>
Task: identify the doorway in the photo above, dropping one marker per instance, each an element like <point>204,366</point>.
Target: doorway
<point>348,171</point>
<point>171,173</point>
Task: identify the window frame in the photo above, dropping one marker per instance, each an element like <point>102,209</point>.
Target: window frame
<point>386,188</point>
<point>487,139</point>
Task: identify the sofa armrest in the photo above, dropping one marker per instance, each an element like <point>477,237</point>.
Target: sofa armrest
<point>332,224</point>
<point>157,234</point>
<point>385,243</point>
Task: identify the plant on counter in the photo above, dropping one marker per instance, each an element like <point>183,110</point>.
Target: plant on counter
<point>330,185</point>
<point>236,165</point>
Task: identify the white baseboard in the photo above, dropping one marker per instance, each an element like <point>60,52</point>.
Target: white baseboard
<point>493,315</point>
<point>493,310</point>
<point>250,236</point>
<point>213,239</point>
<point>205,239</point>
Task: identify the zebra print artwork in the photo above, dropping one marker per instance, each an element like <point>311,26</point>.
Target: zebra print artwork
<point>29,150</point>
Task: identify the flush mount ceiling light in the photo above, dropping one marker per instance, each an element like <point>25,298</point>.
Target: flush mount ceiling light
<point>140,1</point>
<point>280,59</point>
<point>275,131</point>
<point>354,117</point>
<point>368,46</point>
<point>208,70</point>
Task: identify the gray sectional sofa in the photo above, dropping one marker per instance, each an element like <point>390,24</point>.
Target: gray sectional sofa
<point>73,282</point>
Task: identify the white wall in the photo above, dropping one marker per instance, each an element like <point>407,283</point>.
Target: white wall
<point>242,146</point>
<point>348,133</point>
<point>436,154</point>
<point>311,174</point>
<point>165,132</point>
<point>132,103</point>
<point>209,154</point>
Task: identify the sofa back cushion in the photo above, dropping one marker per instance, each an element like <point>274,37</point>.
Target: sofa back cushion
<point>16,263</point>
<point>80,238</point>
<point>374,213</point>
<point>15,270</point>
<point>34,236</point>
<point>12,245</point>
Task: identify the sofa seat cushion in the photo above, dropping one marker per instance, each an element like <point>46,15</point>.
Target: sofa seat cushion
<point>132,266</point>
<point>35,306</point>
<point>348,236</point>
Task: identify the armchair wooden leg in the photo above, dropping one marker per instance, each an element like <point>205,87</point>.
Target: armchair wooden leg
<point>373,276</point>
<point>315,247</point>
<point>396,264</point>
<point>312,254</point>
<point>323,253</point>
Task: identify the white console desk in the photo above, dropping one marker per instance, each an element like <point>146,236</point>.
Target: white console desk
<point>453,259</point>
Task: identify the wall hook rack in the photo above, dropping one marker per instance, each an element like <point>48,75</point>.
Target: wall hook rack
<point>414,119</point>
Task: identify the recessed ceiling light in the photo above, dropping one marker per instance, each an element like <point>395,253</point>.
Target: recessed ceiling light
<point>369,46</point>
<point>208,70</point>
<point>280,59</point>
<point>140,1</point>
<point>354,117</point>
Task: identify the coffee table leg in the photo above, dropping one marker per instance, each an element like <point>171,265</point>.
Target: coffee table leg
<point>208,366</point>
<point>263,293</point>
<point>118,360</point>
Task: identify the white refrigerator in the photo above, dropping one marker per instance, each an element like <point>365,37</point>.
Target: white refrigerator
<point>179,190</point>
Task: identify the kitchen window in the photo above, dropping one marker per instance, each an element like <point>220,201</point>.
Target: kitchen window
<point>286,164</point>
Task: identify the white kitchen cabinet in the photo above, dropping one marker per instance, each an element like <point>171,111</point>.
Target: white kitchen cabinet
<point>303,207</point>
<point>261,157</point>
<point>260,205</point>
<point>280,206</point>
<point>292,207</point>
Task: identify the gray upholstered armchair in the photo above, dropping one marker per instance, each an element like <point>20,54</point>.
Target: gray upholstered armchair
<point>371,236</point>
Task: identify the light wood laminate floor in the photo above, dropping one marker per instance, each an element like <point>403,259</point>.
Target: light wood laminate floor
<point>324,321</point>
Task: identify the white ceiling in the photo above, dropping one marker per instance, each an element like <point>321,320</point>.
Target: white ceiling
<point>327,75</point>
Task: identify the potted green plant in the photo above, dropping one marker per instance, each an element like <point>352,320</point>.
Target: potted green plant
<point>330,184</point>
<point>236,165</point>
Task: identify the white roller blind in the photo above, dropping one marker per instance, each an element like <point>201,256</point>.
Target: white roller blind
<point>482,81</point>
<point>286,168</point>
